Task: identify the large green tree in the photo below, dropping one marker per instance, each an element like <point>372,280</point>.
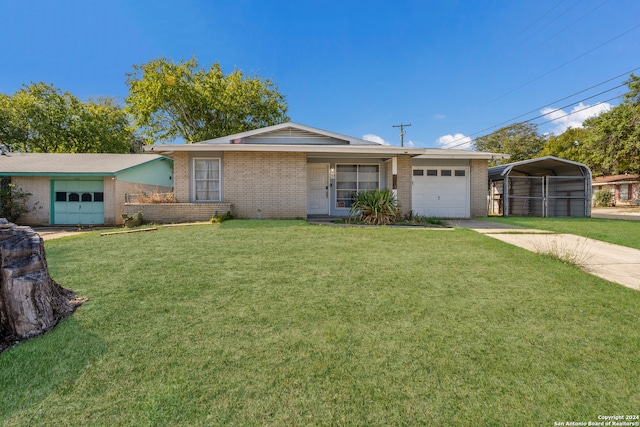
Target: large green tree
<point>182,100</point>
<point>568,145</point>
<point>520,140</point>
<point>613,146</point>
<point>41,118</point>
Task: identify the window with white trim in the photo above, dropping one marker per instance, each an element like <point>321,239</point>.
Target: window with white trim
<point>351,179</point>
<point>624,192</point>
<point>206,176</point>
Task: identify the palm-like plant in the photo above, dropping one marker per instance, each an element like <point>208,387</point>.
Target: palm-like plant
<point>375,207</point>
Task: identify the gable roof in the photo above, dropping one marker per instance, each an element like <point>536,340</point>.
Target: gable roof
<point>52,164</point>
<point>289,133</point>
<point>617,179</point>
<point>296,138</point>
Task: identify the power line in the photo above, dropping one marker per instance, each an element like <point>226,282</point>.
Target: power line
<point>570,25</point>
<point>545,26</point>
<point>562,65</point>
<point>546,105</point>
<point>574,103</point>
<point>582,109</point>
<point>554,119</point>
<point>530,25</point>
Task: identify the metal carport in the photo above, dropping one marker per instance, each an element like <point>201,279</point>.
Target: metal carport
<point>546,187</point>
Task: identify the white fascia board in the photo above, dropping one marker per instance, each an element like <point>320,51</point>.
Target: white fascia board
<point>443,153</point>
<point>327,149</point>
<point>385,150</point>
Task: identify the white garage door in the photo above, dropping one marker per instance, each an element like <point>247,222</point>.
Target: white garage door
<point>441,192</point>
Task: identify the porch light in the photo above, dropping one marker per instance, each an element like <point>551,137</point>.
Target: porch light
<point>332,173</point>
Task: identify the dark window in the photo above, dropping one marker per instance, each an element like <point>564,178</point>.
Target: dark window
<point>445,172</point>
<point>74,197</point>
<point>432,172</point>
<point>61,196</point>
<point>86,197</point>
<point>98,197</point>
<point>418,172</point>
<point>460,172</point>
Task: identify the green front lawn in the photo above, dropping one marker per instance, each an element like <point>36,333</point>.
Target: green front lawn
<point>254,323</point>
<point>616,231</point>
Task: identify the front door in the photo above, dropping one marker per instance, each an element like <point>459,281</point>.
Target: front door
<point>317,189</point>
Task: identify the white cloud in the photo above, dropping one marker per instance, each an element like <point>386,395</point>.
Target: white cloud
<point>375,138</point>
<point>573,118</point>
<point>439,116</point>
<point>458,141</point>
<point>409,144</point>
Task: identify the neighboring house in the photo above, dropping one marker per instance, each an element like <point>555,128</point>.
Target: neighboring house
<point>78,189</point>
<point>546,186</point>
<point>296,171</point>
<point>626,188</point>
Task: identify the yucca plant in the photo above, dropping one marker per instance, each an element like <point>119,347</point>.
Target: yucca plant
<point>374,207</point>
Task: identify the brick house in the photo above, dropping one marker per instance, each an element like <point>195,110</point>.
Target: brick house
<point>82,189</point>
<point>296,171</point>
<point>626,188</point>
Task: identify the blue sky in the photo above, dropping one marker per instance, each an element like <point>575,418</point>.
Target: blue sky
<point>450,68</point>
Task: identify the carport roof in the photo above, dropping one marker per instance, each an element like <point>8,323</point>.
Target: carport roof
<point>548,165</point>
<point>60,164</point>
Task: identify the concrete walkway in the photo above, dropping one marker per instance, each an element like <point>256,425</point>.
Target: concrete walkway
<point>614,263</point>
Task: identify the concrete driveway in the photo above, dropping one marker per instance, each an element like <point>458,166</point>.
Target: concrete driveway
<point>614,263</point>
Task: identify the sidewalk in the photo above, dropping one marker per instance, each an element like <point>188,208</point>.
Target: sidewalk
<point>611,262</point>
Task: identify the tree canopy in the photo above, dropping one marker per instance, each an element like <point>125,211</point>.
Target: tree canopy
<point>568,145</point>
<point>610,143</point>
<point>169,100</point>
<point>520,140</point>
<point>42,118</point>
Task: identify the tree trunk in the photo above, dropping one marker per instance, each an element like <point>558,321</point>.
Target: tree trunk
<point>31,302</point>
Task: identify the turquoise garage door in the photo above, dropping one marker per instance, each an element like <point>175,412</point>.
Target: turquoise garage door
<point>78,202</point>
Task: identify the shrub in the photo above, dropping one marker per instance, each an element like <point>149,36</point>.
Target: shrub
<point>414,218</point>
<point>374,207</point>
<point>218,218</point>
<point>604,197</point>
<point>157,198</point>
<point>13,202</point>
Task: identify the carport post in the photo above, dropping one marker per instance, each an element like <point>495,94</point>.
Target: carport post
<point>505,196</point>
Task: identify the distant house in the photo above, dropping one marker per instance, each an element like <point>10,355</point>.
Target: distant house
<point>297,171</point>
<point>82,189</point>
<point>626,188</point>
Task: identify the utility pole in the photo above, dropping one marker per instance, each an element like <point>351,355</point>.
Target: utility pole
<point>402,132</point>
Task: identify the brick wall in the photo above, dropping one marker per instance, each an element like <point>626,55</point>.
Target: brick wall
<point>266,185</point>
<point>166,213</point>
<point>405,174</point>
<point>479,187</point>
<point>39,203</point>
<point>120,189</point>
<point>181,178</point>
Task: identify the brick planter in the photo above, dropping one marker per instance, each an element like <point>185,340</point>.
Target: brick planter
<point>166,213</point>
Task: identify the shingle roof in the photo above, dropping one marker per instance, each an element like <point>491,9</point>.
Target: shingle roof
<point>65,163</point>
<point>616,178</point>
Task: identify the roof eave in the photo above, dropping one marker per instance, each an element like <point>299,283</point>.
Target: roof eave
<point>385,150</point>
<point>328,149</point>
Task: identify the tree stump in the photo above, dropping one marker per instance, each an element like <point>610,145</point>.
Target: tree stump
<point>31,302</point>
